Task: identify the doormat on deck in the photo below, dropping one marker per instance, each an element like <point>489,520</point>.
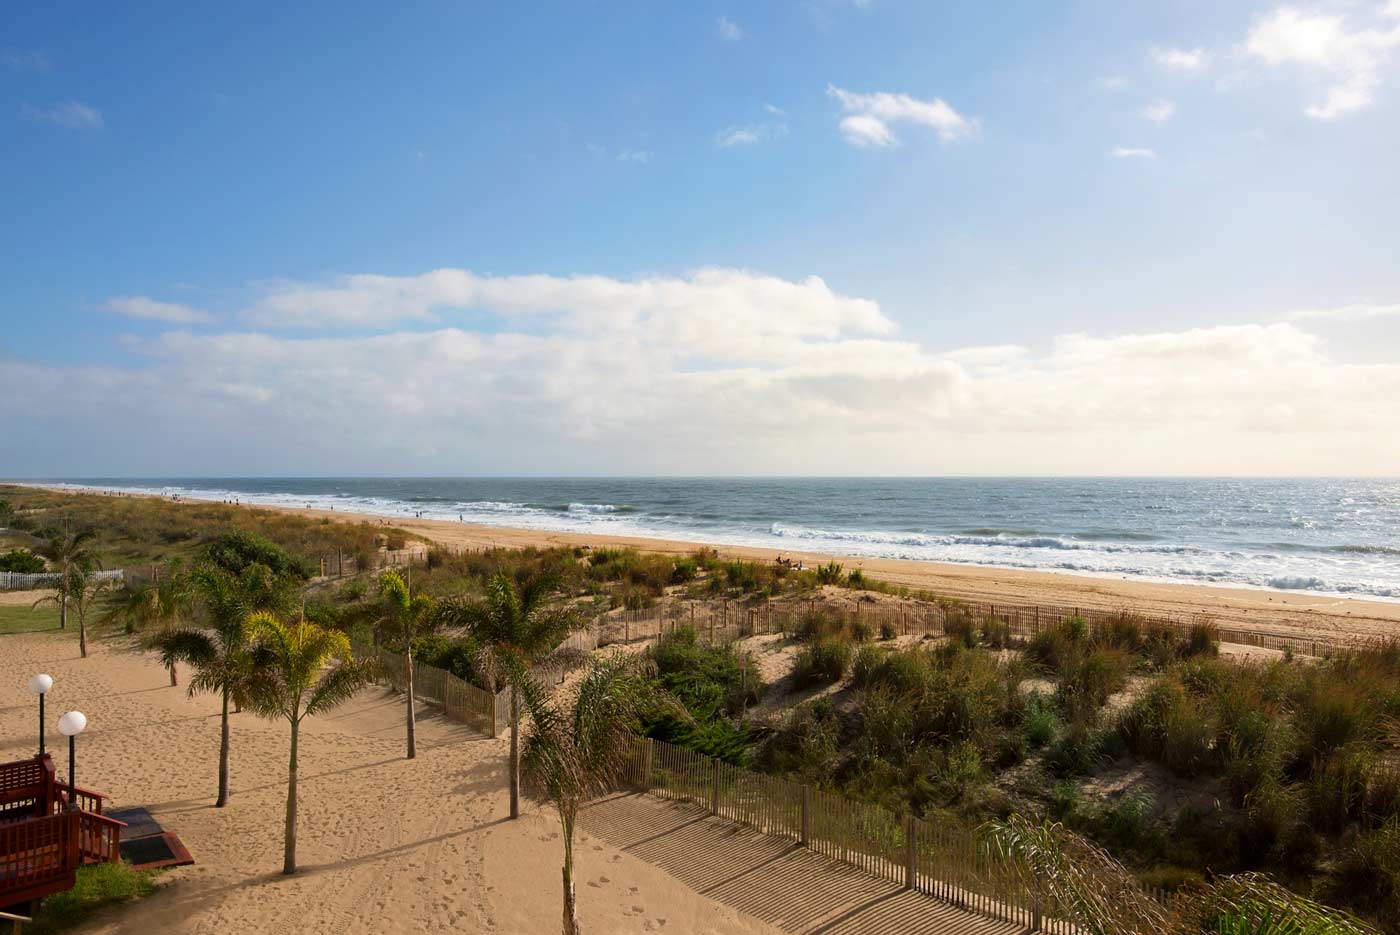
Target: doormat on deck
<point>154,851</point>
<point>145,844</point>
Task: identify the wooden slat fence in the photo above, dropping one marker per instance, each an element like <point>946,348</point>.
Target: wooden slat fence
<point>719,622</point>
<point>460,699</point>
<point>948,862</point>
<point>21,581</point>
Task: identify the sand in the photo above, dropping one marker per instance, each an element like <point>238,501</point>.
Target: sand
<point>1281,612</point>
<point>387,845</point>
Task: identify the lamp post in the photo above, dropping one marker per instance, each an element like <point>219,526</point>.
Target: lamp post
<point>40,685</point>
<point>70,726</point>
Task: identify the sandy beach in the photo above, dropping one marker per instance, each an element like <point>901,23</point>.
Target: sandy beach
<point>1274,611</point>
<point>387,845</point>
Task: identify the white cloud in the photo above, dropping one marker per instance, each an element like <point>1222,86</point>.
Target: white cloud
<point>1360,312</point>
<point>719,371</point>
<point>1159,111</point>
<point>23,60</point>
<point>70,114</point>
<point>1181,60</point>
<point>775,110</point>
<point>870,115</point>
<point>1345,60</point>
<point>1112,83</point>
<point>729,30</point>
<point>634,155</point>
<point>1132,152</point>
<point>751,134</point>
<point>139,306</point>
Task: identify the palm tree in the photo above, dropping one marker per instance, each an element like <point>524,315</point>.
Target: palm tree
<point>79,589</point>
<point>581,748</point>
<point>405,618</point>
<point>219,655</point>
<point>1100,896</point>
<point>68,550</point>
<point>163,604</point>
<point>515,632</point>
<point>296,676</point>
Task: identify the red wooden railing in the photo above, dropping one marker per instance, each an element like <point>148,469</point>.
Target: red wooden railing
<point>42,843</point>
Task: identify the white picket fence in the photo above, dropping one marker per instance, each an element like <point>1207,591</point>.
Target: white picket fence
<point>21,581</point>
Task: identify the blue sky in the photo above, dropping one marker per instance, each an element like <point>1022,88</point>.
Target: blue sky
<point>1215,179</point>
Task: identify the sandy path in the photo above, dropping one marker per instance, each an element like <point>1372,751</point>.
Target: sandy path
<point>386,845</point>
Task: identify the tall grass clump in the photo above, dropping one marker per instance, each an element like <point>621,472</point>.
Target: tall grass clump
<point>821,662</point>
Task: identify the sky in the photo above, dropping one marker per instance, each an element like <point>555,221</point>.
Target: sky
<point>847,237</point>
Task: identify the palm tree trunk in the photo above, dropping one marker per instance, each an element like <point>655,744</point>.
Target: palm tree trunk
<point>63,607</point>
<point>222,800</point>
<point>514,753</point>
<point>570,897</point>
<point>173,680</point>
<point>82,635</point>
<point>289,851</point>
<point>412,726</point>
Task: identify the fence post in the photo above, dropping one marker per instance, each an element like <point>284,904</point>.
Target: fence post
<point>805,832</point>
<point>911,854</point>
<point>714,790</point>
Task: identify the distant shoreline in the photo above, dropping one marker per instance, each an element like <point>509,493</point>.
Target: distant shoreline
<point>1277,611</point>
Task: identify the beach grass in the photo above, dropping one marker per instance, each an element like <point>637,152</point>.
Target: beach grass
<point>21,618</point>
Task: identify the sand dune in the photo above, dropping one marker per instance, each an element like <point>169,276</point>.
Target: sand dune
<point>388,845</point>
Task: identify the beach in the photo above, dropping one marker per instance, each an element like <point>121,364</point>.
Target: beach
<point>1273,611</point>
<point>386,845</point>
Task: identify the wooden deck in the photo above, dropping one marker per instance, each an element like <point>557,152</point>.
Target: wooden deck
<point>42,843</point>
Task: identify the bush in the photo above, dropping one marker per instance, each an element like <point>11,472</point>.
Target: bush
<point>1080,750</point>
<point>685,569</point>
<point>1087,679</point>
<point>1042,722</point>
<point>821,663</point>
<point>22,562</point>
<point>1203,639</point>
<point>1168,725</point>
<point>235,551</point>
<point>830,573</point>
<point>888,631</point>
<point>1365,877</point>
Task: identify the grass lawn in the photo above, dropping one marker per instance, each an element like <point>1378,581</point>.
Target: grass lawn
<point>99,886</point>
<point>19,618</point>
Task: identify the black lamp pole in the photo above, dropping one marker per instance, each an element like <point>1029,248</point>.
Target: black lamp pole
<point>41,723</point>
<point>72,774</point>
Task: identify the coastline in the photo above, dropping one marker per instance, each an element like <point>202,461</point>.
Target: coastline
<point>1267,610</point>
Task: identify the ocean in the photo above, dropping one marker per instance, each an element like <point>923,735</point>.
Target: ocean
<point>1326,535</point>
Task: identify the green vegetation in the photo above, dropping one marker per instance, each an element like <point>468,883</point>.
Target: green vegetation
<point>98,886</point>
<point>144,531</point>
<point>22,561</point>
<point>21,618</point>
<point>715,684</point>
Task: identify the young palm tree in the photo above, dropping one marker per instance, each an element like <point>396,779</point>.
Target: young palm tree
<point>300,670</point>
<point>219,655</point>
<point>1100,896</point>
<point>516,632</point>
<point>405,618</point>
<point>580,748</point>
<point>68,550</point>
<point>139,608</point>
<point>80,590</point>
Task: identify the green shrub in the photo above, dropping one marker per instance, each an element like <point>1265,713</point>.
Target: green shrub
<point>1042,722</point>
<point>1337,789</point>
<point>1165,723</point>
<point>860,630</point>
<point>1365,876</point>
<point>1203,639</point>
<point>684,569</point>
<point>1079,750</point>
<point>830,573</point>
<point>22,562</point>
<point>888,631</point>
<point>1088,678</point>
<point>821,663</point>
<point>235,551</point>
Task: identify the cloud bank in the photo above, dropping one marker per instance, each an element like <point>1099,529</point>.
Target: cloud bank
<point>718,371</point>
